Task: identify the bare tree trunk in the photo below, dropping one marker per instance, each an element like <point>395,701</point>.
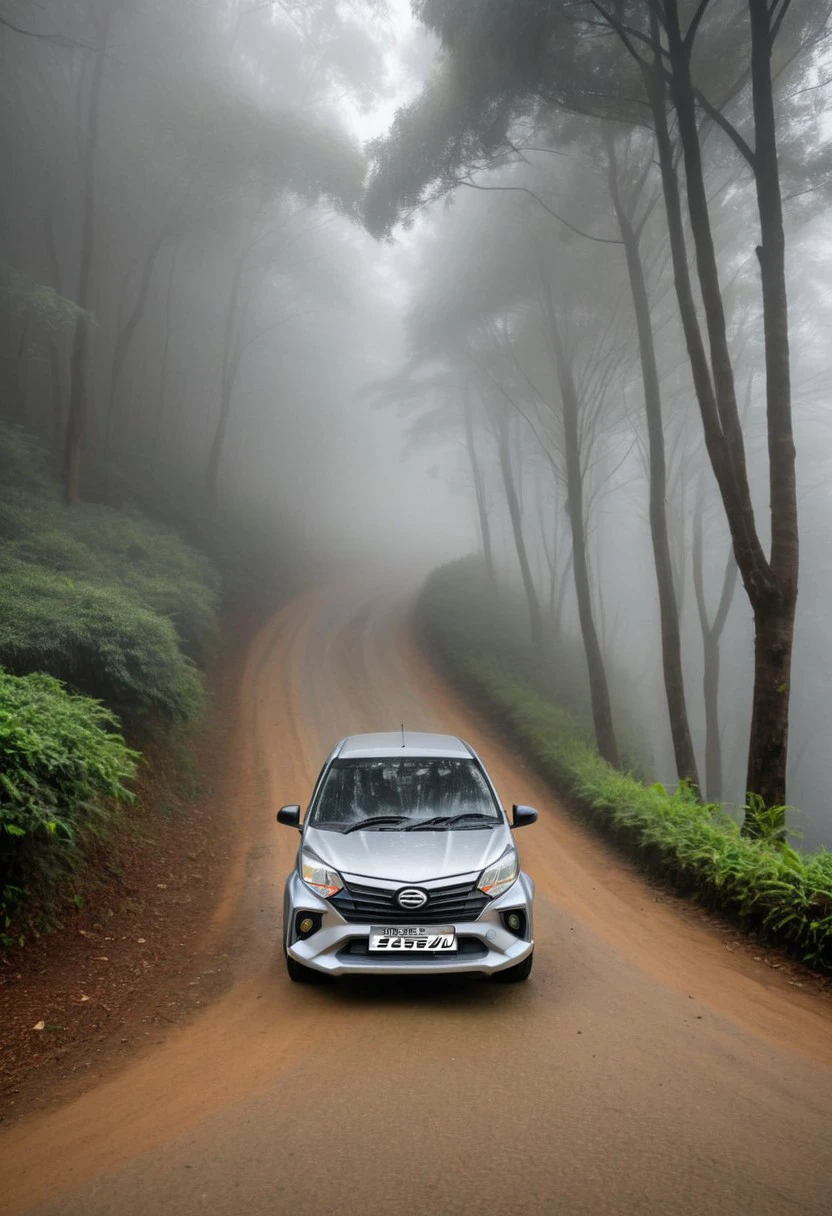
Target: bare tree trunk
<point>20,368</point>
<point>78,373</point>
<point>54,350</point>
<point>226,380</point>
<point>771,586</point>
<point>671,641</point>
<point>561,600</point>
<point>55,387</point>
<point>513,503</point>
<point>596,669</point>
<point>711,639</point>
<point>125,336</point>
<point>165,360</point>
<point>553,564</point>
<point>479,486</point>
<point>775,615</point>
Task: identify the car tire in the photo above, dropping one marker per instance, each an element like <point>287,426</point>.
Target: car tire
<point>516,974</point>
<point>304,975</point>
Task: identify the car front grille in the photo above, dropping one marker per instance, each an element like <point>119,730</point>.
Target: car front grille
<point>450,905</point>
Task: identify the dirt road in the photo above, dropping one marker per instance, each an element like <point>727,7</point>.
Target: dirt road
<point>643,1069</point>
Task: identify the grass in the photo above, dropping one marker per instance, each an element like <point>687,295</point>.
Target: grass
<point>764,884</point>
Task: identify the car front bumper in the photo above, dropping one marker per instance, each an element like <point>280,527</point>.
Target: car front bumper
<point>340,947</point>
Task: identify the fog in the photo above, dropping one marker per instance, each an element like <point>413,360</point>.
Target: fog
<point>363,271</point>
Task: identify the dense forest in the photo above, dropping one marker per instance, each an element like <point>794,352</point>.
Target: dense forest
<point>545,278</point>
<point>623,317</point>
<point>180,241</point>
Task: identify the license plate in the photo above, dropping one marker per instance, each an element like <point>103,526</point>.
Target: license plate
<point>413,939</point>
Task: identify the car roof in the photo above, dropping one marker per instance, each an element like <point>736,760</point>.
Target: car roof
<point>403,743</point>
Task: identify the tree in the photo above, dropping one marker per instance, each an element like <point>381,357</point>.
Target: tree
<point>79,359</point>
<point>479,107</point>
<point>712,628</point>
<point>540,55</point>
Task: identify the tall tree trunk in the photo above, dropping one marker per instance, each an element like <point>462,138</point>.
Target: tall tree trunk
<point>55,388</point>
<point>479,486</point>
<point>125,336</point>
<point>513,503</point>
<point>227,376</point>
<point>561,600</point>
<point>711,639</point>
<point>596,669</point>
<point>714,776</point>
<point>733,483</point>
<point>774,616</point>
<point>771,586</point>
<point>55,351</point>
<point>552,558</point>
<point>165,360</point>
<point>20,369</point>
<point>79,358</point>
<point>674,686</point>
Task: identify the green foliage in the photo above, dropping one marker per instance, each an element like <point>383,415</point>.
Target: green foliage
<point>166,575</point>
<point>766,822</point>
<point>99,639</point>
<point>63,768</point>
<point>109,601</point>
<point>23,296</point>
<point>763,882</point>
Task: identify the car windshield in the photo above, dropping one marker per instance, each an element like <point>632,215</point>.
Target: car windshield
<point>404,793</point>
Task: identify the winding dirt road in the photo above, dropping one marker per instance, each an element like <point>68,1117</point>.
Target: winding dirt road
<point>643,1069</point>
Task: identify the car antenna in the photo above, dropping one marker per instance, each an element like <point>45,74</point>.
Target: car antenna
<point>402,734</point>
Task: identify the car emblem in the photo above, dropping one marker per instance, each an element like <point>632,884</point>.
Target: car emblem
<point>411,897</point>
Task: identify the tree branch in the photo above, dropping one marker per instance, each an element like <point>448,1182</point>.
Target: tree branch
<point>625,33</point>
<point>778,20</point>
<point>55,39</point>
<point>730,130</point>
<point>694,25</point>
<point>601,240</point>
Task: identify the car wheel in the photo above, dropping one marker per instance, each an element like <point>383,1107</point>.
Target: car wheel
<point>515,975</point>
<point>304,975</point>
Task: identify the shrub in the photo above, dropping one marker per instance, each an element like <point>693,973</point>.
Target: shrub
<point>101,545</point>
<point>164,572</point>
<point>765,884</point>
<point>24,467</point>
<point>63,770</point>
<point>99,639</point>
<point>106,600</point>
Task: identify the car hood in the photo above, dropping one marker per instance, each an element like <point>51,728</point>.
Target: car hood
<point>416,857</point>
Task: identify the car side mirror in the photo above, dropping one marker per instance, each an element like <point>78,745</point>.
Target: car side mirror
<point>522,816</point>
<point>289,816</point>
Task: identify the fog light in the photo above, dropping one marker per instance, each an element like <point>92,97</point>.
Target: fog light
<point>307,923</point>
<point>515,922</point>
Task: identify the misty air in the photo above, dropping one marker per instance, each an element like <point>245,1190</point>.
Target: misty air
<point>414,428</point>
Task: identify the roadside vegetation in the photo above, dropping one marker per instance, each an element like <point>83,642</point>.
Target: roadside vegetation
<point>120,612</point>
<point>761,881</point>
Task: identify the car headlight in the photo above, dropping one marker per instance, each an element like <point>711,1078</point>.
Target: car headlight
<point>323,880</point>
<point>500,876</point>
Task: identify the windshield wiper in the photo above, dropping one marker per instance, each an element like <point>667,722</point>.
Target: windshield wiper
<point>372,822</point>
<point>445,820</point>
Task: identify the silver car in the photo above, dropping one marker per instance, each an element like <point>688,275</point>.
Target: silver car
<point>407,866</point>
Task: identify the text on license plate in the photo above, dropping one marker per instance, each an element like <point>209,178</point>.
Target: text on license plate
<point>412,939</point>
